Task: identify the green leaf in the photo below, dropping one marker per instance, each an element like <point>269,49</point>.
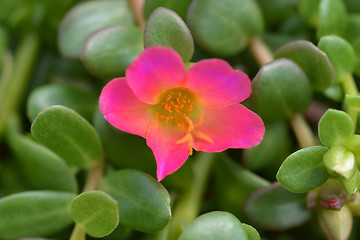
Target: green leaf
<point>251,232</point>
<point>303,170</point>
<point>108,52</point>
<point>122,149</point>
<point>332,18</point>
<point>312,60</point>
<point>352,101</point>
<point>339,160</point>
<point>352,184</point>
<point>280,89</point>
<point>61,94</point>
<point>353,27</point>
<point>34,214</point>
<point>356,45</point>
<point>180,7</point>
<point>276,11</point>
<point>69,135</point>
<point>273,149</point>
<point>309,10</point>
<point>88,17</point>
<point>340,53</point>
<point>41,168</point>
<point>165,28</point>
<point>96,212</point>
<point>334,127</point>
<point>232,175</point>
<point>224,27</point>
<point>213,226</point>
<point>275,208</point>
<point>144,204</point>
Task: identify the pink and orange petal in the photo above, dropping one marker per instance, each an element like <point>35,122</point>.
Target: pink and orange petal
<point>178,110</point>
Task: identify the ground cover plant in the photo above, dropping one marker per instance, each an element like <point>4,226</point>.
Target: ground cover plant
<point>168,119</point>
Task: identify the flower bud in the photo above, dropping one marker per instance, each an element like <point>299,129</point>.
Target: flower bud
<point>336,225</point>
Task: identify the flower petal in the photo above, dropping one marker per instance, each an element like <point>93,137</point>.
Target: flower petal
<point>169,155</point>
<point>232,127</point>
<point>154,71</point>
<point>216,84</point>
<point>123,109</point>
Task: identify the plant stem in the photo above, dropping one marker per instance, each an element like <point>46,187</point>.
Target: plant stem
<point>138,6</point>
<point>350,88</point>
<point>260,51</point>
<point>92,183</point>
<point>15,83</point>
<point>302,131</point>
<point>188,206</point>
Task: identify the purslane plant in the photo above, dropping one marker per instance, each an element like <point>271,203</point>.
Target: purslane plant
<point>255,91</point>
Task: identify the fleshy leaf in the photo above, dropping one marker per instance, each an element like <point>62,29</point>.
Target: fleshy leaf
<point>88,17</point>
<point>69,135</point>
<point>251,232</point>
<point>34,214</point>
<point>312,60</point>
<point>352,101</point>
<point>275,146</point>
<point>60,94</point>
<point>303,170</point>
<point>223,27</point>
<point>280,89</point>
<point>309,10</point>
<point>332,18</point>
<point>108,52</point>
<point>96,212</point>
<point>165,28</point>
<point>213,226</point>
<point>334,127</point>
<point>275,208</point>
<point>144,204</point>
<point>41,168</point>
<point>232,175</point>
<point>340,161</point>
<point>352,184</point>
<point>340,53</point>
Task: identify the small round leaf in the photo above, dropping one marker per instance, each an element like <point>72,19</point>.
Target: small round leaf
<point>340,53</point>
<point>251,232</point>
<point>144,204</point>
<point>275,208</point>
<point>280,89</point>
<point>214,226</point>
<point>332,18</point>
<point>108,52</point>
<point>69,135</point>
<point>334,127</point>
<point>303,170</point>
<point>34,214</point>
<point>165,28</point>
<point>223,27</point>
<point>88,17</point>
<point>312,60</point>
<point>96,212</point>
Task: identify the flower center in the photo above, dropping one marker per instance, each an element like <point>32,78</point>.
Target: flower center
<point>176,106</point>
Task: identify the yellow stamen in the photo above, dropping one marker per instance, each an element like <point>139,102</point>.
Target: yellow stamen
<point>192,131</point>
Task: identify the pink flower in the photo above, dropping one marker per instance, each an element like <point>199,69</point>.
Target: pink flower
<point>177,110</point>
